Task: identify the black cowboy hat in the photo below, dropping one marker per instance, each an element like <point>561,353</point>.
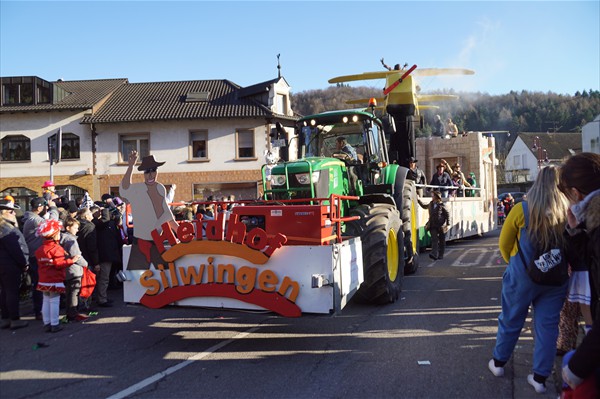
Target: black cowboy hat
<point>8,204</point>
<point>149,163</point>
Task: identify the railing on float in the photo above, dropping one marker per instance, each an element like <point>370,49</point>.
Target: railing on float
<point>333,202</point>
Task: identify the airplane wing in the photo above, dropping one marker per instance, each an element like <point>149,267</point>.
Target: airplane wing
<point>421,98</point>
<point>436,97</point>
<point>362,76</point>
<point>442,71</point>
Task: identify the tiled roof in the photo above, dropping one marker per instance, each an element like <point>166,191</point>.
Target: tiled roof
<point>84,94</point>
<point>557,145</point>
<point>167,101</point>
<point>258,88</point>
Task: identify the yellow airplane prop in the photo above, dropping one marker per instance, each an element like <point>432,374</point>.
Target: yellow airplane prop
<point>401,87</point>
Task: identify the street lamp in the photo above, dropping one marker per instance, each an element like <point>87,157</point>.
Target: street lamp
<point>542,155</point>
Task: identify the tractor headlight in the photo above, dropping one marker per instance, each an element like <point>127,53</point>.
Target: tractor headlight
<point>278,180</point>
<point>304,179</point>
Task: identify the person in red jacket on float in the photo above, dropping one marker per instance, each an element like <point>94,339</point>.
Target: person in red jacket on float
<point>52,261</point>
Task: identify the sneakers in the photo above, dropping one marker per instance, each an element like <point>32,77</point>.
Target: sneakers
<point>497,371</point>
<point>14,324</point>
<point>105,305</point>
<point>539,387</point>
<point>433,257</point>
<point>47,328</point>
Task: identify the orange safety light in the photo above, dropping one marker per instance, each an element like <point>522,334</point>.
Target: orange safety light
<point>372,102</point>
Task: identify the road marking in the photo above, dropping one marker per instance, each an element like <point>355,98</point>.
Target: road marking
<point>481,252</point>
<point>198,356</point>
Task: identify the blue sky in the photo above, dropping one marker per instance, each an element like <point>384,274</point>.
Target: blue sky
<point>536,46</point>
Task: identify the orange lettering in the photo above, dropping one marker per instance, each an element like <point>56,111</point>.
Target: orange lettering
<point>147,281</point>
<point>267,280</point>
<point>288,283</point>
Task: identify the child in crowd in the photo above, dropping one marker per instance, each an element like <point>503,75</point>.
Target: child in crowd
<point>68,240</point>
<point>52,261</point>
<point>500,208</point>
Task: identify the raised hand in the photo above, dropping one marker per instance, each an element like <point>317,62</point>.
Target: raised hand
<point>133,157</point>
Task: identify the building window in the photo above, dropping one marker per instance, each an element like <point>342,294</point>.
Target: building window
<point>114,191</point>
<point>22,197</point>
<point>517,162</point>
<point>44,92</point>
<point>216,191</point>
<point>245,144</point>
<point>281,104</point>
<point>199,145</point>
<point>27,90</point>
<point>138,142</point>
<point>70,146</point>
<point>16,148</point>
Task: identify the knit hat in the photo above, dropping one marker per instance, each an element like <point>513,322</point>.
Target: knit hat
<point>48,183</point>
<point>37,201</point>
<point>87,201</point>
<point>48,228</point>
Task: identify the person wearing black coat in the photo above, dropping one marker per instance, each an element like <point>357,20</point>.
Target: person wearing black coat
<point>109,239</point>
<point>439,219</point>
<point>14,260</point>
<point>86,238</point>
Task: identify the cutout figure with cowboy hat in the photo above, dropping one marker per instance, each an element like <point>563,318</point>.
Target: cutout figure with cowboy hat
<point>149,209</point>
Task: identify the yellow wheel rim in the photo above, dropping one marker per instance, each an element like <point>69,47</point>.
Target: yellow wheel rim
<point>392,255</point>
<point>413,228</point>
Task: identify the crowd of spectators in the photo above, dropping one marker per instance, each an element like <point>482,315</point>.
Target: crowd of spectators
<point>80,234</point>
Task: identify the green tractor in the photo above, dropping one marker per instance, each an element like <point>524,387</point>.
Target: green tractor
<point>346,153</point>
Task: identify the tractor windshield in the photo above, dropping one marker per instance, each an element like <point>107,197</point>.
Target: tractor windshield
<point>353,136</point>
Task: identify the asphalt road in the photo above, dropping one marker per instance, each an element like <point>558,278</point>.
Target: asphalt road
<point>434,343</point>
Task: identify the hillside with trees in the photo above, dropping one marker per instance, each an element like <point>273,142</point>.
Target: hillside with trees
<point>514,112</point>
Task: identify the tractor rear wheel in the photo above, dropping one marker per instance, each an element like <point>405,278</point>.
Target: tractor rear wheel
<point>380,230</point>
<point>409,228</point>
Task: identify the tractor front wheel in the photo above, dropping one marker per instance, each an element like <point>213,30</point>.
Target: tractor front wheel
<point>380,230</point>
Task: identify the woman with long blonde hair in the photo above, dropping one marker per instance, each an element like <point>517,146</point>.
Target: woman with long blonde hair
<point>537,223</point>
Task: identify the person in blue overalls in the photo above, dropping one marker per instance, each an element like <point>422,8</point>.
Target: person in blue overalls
<point>538,222</point>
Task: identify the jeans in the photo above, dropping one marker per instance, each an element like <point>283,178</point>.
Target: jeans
<point>36,295</point>
<point>72,288</point>
<point>518,293</point>
<point>102,279</point>
<point>438,242</point>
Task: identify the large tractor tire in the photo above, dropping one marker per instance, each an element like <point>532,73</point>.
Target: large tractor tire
<point>380,230</point>
<point>409,227</point>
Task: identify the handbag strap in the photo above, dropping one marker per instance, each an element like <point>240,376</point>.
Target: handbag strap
<point>526,214</point>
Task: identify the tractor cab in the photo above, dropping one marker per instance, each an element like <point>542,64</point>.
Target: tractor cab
<point>339,152</point>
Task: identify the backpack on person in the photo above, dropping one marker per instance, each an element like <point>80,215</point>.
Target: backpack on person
<point>544,267</point>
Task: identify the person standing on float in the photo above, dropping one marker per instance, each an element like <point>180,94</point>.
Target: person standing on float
<point>149,209</point>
